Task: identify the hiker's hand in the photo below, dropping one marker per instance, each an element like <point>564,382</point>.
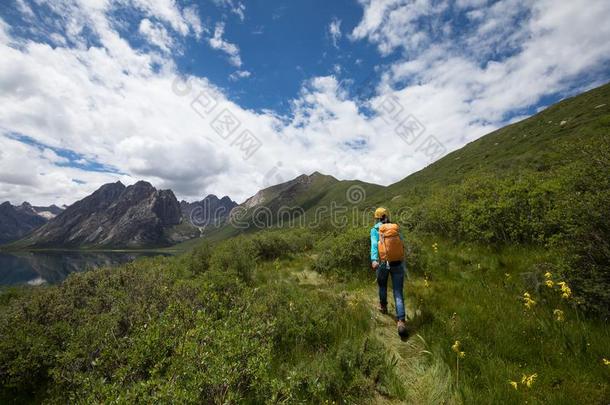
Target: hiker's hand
<point>374,265</point>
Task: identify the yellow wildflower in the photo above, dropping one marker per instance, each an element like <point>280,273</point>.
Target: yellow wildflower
<point>426,284</point>
<point>456,346</point>
<point>558,315</point>
<point>528,381</point>
<point>566,291</point>
<point>606,361</point>
<point>461,355</point>
<point>513,384</point>
<point>549,283</point>
<point>548,275</point>
<point>435,247</point>
<point>528,301</point>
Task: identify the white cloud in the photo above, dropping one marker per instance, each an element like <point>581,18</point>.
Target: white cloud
<point>106,102</point>
<point>25,9</point>
<point>156,34</point>
<point>236,7</point>
<point>393,24</point>
<point>334,30</point>
<point>41,181</point>
<point>168,12</point>
<point>240,74</point>
<point>4,28</point>
<point>191,16</point>
<point>219,43</point>
<point>511,55</point>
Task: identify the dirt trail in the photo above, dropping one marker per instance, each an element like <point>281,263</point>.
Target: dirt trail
<point>426,378</point>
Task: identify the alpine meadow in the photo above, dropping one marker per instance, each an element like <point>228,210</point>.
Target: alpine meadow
<point>437,233</point>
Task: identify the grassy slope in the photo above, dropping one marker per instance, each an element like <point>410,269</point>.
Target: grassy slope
<point>474,293</point>
<point>534,143</point>
<point>323,192</point>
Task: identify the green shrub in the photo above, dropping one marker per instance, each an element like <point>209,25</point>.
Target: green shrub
<point>235,256</point>
<point>345,254</point>
<point>415,260</point>
<point>199,260</point>
<point>152,332</point>
<point>277,244</point>
<point>564,207</point>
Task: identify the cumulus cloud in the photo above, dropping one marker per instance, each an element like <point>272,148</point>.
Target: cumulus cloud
<point>132,115</point>
<point>41,180</point>
<point>219,43</point>
<point>511,54</point>
<point>191,16</point>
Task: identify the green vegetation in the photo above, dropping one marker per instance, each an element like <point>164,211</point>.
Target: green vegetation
<point>508,293</point>
<point>543,181</point>
<point>247,320</point>
<point>221,324</point>
<point>475,294</point>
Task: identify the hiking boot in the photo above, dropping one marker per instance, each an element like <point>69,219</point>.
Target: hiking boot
<point>383,309</point>
<point>402,328</point>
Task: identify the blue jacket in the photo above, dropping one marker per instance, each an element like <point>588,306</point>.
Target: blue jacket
<point>375,242</point>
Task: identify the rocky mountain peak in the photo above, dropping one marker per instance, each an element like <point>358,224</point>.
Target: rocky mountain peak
<point>115,216</point>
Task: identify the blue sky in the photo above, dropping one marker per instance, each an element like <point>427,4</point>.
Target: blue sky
<point>283,44</point>
<point>89,88</point>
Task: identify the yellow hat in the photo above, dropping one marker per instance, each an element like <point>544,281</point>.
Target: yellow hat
<point>380,213</point>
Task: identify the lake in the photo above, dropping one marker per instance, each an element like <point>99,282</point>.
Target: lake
<point>37,268</point>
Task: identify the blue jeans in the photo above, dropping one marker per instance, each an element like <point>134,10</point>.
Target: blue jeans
<point>398,278</point>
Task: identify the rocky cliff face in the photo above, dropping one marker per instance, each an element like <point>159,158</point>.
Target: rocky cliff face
<point>113,216</point>
<point>209,211</point>
<point>18,221</point>
<point>47,212</point>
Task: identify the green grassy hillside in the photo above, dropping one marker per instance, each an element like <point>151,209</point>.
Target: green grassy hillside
<point>551,138</point>
<point>543,181</point>
<point>303,201</point>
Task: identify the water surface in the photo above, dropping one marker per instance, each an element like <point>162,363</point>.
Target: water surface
<point>36,268</point>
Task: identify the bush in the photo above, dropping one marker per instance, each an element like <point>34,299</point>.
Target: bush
<point>199,260</point>
<point>564,208</point>
<point>345,253</point>
<point>236,256</point>
<point>282,243</point>
<point>152,332</point>
<point>415,259</point>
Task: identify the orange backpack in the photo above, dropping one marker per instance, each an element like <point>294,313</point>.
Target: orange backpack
<point>391,248</point>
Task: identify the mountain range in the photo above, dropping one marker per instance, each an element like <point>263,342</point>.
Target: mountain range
<point>140,216</point>
<point>17,221</point>
<point>118,216</point>
<point>211,211</point>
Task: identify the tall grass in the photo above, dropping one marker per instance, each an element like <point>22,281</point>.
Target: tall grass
<point>476,295</point>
